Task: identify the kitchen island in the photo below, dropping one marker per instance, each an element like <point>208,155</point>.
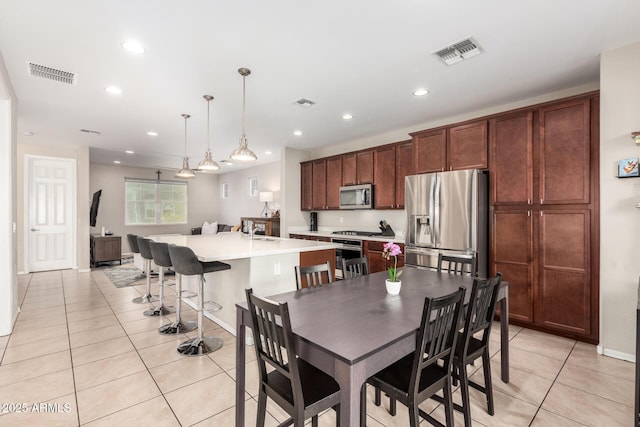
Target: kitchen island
<point>265,264</point>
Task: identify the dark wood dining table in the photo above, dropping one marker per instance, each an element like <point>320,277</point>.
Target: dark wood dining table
<point>351,329</point>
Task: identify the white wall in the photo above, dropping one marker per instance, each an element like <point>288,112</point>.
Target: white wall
<point>619,219</point>
<point>8,212</point>
<point>291,215</point>
<point>239,203</point>
<point>202,203</point>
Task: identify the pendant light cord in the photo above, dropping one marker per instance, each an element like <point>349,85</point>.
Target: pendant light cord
<point>208,125</point>
<point>244,78</point>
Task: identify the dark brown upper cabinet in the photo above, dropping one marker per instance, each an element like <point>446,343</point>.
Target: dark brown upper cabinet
<point>511,139</point>
<point>564,151</point>
<point>467,146</point>
<point>430,151</point>
<point>334,182</point>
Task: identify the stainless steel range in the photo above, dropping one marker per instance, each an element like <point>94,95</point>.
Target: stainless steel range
<point>349,249</point>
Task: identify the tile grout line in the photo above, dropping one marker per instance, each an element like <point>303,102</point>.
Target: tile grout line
<point>73,371</point>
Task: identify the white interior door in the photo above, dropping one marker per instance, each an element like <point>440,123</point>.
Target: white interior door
<point>51,226</point>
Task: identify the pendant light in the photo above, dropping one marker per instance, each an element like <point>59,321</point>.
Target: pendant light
<point>243,153</point>
<point>208,164</point>
<point>186,171</point>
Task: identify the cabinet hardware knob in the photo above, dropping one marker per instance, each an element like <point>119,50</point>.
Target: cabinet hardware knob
<point>528,201</point>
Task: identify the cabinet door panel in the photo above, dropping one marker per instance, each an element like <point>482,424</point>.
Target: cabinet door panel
<point>319,197</point>
<point>565,283</point>
<point>565,139</point>
<point>334,181</point>
<point>384,173</point>
<point>306,186</point>
<point>431,151</point>
<point>512,248</point>
<point>349,166</point>
<point>365,167</point>
<point>512,159</point>
<point>467,146</point>
<point>404,167</point>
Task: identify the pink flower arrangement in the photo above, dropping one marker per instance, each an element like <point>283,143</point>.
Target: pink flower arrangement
<point>392,250</point>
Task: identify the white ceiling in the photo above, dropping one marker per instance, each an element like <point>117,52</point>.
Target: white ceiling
<point>365,57</point>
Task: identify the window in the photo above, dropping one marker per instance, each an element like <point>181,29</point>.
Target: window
<point>149,202</point>
<point>253,186</point>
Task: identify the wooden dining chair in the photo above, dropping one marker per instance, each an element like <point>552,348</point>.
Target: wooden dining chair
<point>421,374</point>
<point>474,342</point>
<point>313,275</point>
<point>298,387</point>
<point>456,264</point>
<point>355,267</point>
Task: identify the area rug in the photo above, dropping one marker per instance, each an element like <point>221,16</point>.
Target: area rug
<point>123,275</point>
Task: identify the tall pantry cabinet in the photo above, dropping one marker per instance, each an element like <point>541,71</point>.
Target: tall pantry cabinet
<point>544,194</point>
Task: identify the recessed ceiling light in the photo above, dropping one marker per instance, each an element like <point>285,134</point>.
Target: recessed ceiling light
<point>421,92</point>
<point>133,46</point>
<point>152,133</point>
<point>347,116</point>
<point>129,152</point>
<point>268,153</point>
<point>297,132</point>
<point>113,90</point>
<point>28,134</point>
<point>117,162</point>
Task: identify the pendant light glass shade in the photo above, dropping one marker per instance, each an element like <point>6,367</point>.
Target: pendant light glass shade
<point>243,153</point>
<point>186,171</point>
<point>208,164</point>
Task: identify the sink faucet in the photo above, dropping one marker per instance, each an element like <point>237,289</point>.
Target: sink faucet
<point>251,228</point>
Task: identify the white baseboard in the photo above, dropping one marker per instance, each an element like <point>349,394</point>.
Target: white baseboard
<point>616,354</point>
<point>84,270</point>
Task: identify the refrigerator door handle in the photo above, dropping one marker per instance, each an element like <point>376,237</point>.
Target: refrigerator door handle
<point>432,191</point>
<point>436,220</point>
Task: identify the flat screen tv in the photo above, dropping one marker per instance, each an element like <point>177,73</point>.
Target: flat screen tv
<point>95,203</point>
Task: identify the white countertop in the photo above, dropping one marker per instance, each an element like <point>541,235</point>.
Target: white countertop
<point>321,233</point>
<point>228,246</point>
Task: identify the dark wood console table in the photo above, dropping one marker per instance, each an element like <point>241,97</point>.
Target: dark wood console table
<point>271,226</point>
<point>105,249</point>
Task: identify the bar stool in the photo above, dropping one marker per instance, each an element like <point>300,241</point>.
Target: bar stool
<point>186,263</point>
<point>148,298</point>
<point>160,254</point>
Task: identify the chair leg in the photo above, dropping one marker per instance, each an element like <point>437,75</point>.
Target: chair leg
<point>314,421</point>
<point>414,415</point>
<point>147,298</point>
<point>337,409</point>
<point>200,345</point>
<point>448,403</point>
<point>454,377</point>
<point>392,406</point>
<point>262,408</point>
<point>464,390</point>
<point>377,398</point>
<point>486,367</point>
<point>161,309</point>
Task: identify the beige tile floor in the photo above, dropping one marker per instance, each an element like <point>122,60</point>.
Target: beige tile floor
<point>82,354</point>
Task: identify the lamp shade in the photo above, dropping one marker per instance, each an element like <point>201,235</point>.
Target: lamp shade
<point>266,196</point>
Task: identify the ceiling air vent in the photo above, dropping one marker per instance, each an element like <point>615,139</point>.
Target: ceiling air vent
<point>304,103</point>
<point>50,73</point>
<point>456,52</point>
<point>89,131</point>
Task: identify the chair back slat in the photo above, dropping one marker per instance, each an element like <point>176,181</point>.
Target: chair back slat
<point>482,309</point>
<point>437,334</point>
<point>454,264</point>
<point>313,275</point>
<point>355,267</point>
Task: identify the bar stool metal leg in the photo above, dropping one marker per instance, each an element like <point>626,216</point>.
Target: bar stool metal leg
<point>147,298</point>
<point>178,327</point>
<point>160,310</point>
<point>200,345</point>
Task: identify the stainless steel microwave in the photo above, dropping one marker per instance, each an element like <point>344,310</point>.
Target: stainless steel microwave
<point>356,197</point>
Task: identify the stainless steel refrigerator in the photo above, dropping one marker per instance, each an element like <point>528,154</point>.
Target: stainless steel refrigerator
<point>447,212</point>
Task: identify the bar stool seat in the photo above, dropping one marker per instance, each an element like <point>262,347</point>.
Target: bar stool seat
<point>135,248</point>
<point>186,263</point>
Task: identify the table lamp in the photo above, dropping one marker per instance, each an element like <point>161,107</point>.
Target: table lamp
<point>266,197</point>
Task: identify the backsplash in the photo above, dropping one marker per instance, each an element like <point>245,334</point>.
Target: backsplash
<point>364,220</point>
